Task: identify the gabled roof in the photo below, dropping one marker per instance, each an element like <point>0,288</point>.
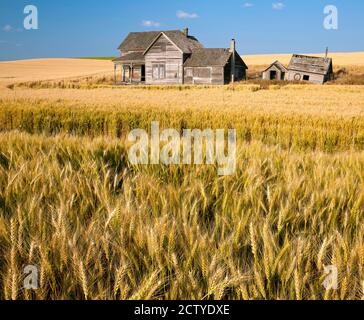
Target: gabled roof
<point>185,44</point>
<point>310,64</point>
<point>279,65</point>
<point>133,57</point>
<point>138,41</point>
<point>141,41</point>
<point>207,57</point>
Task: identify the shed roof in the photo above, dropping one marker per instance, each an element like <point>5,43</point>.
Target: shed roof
<point>279,65</point>
<point>207,57</point>
<point>310,64</point>
<point>133,57</point>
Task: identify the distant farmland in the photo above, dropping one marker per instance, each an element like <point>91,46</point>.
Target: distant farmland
<point>345,58</point>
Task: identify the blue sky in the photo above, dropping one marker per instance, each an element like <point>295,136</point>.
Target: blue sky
<point>79,28</point>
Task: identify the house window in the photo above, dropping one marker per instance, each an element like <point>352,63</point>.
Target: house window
<point>202,72</point>
<point>162,71</point>
<point>159,71</point>
<point>155,71</point>
<point>306,78</point>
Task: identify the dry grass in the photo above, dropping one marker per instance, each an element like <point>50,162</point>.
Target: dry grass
<point>100,228</point>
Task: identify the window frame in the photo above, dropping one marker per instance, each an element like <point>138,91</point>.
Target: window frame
<point>198,72</point>
<point>162,71</point>
<point>159,71</point>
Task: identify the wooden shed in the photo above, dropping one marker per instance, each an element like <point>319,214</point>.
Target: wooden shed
<point>311,69</point>
<point>276,71</point>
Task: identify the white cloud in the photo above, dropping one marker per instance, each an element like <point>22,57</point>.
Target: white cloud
<point>248,5</point>
<point>150,24</point>
<point>8,28</point>
<point>185,15</point>
<point>278,5</point>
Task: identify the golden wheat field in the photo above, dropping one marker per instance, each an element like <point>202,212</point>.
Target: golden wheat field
<point>98,227</point>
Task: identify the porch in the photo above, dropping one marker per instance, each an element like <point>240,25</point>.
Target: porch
<point>129,69</point>
<point>129,73</point>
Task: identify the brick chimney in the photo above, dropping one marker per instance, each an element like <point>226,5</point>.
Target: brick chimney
<point>232,50</point>
<point>185,31</point>
<point>232,45</point>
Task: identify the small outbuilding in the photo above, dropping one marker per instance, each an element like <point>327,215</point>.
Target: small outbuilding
<point>276,71</point>
<point>311,69</point>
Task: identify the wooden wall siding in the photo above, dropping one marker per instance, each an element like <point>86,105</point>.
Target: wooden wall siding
<point>217,76</point>
<point>204,75</point>
<point>164,52</point>
<point>227,73</point>
<point>298,76</point>
<point>240,72</point>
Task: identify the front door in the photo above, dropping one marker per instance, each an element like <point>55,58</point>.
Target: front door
<point>143,73</point>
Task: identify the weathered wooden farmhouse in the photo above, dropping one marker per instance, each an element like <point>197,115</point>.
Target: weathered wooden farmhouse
<point>312,69</point>
<point>175,57</point>
<point>276,71</point>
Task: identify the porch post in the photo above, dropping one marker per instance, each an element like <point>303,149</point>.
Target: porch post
<point>114,73</point>
<point>131,73</point>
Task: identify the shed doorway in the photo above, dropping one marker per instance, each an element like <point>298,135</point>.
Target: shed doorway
<point>273,75</point>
